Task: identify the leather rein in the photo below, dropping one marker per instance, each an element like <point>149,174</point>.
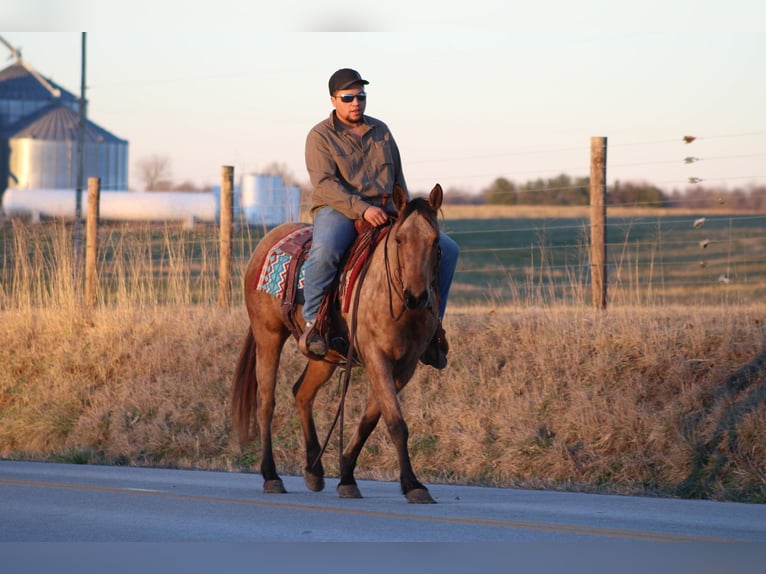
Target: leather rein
<point>346,373</point>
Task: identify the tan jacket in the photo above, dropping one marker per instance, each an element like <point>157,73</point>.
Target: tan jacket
<point>347,175</point>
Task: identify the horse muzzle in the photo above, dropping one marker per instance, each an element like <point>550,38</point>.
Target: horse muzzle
<point>414,302</point>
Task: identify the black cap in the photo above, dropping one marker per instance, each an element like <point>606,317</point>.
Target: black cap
<point>345,78</point>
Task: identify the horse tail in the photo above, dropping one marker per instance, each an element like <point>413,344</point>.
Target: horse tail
<point>244,390</point>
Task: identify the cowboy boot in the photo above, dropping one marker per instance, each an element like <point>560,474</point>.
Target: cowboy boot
<point>312,343</point>
<point>435,354</point>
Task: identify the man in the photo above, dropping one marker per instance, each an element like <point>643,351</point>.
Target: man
<point>353,161</point>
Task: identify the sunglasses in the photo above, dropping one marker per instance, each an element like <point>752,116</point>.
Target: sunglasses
<point>348,98</point>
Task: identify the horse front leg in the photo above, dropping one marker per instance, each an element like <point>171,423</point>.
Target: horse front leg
<point>385,392</point>
<point>413,489</point>
<point>347,487</point>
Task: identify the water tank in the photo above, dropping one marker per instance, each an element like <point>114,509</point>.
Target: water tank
<point>188,207</point>
<point>263,199</point>
<point>292,203</point>
<point>215,190</point>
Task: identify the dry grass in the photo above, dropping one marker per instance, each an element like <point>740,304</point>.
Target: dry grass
<point>657,400</point>
<point>660,401</point>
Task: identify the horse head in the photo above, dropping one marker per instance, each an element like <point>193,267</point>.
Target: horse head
<point>416,237</point>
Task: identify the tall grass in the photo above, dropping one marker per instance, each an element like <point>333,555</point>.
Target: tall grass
<point>537,260</point>
<point>39,270</point>
<point>138,265</point>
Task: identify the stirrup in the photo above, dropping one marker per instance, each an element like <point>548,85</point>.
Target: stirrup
<point>311,343</point>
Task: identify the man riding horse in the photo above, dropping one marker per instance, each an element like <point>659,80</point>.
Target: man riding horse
<point>354,164</point>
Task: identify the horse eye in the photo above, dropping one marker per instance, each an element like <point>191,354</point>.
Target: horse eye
<point>398,241</point>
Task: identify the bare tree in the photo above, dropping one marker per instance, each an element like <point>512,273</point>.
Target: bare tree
<point>154,171</point>
<point>186,185</point>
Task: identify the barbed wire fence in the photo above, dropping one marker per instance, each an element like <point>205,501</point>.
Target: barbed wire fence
<point>666,256</point>
<point>653,254</point>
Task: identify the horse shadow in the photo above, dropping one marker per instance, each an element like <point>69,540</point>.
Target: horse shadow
<point>741,393</point>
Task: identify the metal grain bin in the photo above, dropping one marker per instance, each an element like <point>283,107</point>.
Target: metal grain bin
<point>21,94</point>
<point>43,153</point>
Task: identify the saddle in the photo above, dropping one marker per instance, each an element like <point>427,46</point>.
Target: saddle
<point>282,277</point>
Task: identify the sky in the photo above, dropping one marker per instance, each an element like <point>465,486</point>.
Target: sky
<point>472,93</point>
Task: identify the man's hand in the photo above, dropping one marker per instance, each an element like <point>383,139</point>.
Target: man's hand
<point>375,216</point>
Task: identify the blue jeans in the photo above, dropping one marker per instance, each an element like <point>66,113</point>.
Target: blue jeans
<point>333,235</point>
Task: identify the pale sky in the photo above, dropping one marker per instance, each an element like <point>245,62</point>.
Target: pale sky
<point>488,90</point>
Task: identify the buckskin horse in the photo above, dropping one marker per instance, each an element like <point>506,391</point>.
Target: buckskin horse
<point>391,319</point>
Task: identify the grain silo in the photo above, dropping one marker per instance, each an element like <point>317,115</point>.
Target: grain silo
<point>43,152</point>
<point>39,125</point>
<point>24,92</point>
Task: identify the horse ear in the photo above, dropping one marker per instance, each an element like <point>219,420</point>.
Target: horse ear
<point>400,197</point>
<point>436,197</point>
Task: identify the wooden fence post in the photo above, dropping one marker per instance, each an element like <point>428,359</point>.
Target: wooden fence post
<point>226,217</point>
<point>91,246</point>
<point>598,221</point>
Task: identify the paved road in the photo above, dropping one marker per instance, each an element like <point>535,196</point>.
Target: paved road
<point>45,502</point>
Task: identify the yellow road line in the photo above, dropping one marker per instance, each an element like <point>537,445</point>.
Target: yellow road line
<point>576,529</point>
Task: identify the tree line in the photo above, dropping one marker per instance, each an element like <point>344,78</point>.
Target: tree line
<point>567,190</point>
<point>155,173</point>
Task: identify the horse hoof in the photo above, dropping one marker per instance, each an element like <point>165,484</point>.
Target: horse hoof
<point>348,491</point>
<point>419,496</point>
<point>274,486</point>
<point>313,482</point>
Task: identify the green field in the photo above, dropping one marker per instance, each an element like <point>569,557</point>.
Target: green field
<point>661,259</point>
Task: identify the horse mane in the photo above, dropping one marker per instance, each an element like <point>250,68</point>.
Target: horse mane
<point>421,206</point>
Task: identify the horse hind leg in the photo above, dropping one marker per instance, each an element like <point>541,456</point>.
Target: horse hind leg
<point>305,390</point>
<point>268,350</point>
<point>247,400</point>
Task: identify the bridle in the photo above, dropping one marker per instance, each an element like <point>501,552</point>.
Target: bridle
<point>395,281</point>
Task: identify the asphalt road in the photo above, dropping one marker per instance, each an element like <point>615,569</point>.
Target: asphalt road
<point>53,503</point>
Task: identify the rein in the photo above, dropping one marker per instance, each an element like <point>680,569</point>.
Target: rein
<point>390,281</point>
<point>346,374</point>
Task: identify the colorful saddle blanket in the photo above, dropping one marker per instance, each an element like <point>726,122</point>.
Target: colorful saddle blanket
<point>275,271</point>
<point>282,273</point>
